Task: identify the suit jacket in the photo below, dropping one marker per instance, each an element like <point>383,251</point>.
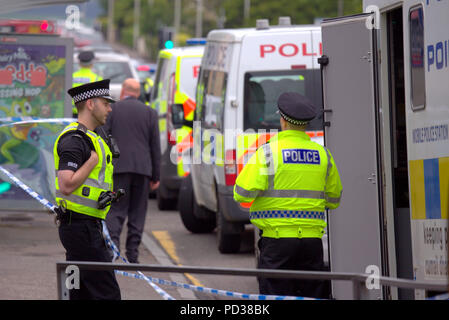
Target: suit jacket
<point>135,128</point>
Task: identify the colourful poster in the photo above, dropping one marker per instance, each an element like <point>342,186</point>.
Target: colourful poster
<point>33,80</point>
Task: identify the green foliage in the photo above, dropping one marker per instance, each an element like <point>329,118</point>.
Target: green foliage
<point>300,11</point>
<point>158,13</point>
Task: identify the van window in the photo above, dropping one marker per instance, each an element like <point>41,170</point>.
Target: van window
<point>418,82</point>
<point>159,83</point>
<point>190,68</point>
<point>211,98</point>
<point>262,90</point>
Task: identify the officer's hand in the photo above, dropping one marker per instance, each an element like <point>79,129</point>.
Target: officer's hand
<point>154,185</point>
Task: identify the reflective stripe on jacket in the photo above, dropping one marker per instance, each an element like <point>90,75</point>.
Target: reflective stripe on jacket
<point>83,76</point>
<point>85,198</point>
<point>292,180</point>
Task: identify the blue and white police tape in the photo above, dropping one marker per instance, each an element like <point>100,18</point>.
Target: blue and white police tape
<point>140,275</point>
<point>225,293</point>
<point>52,207</point>
<point>114,248</point>
<point>28,190</point>
<point>13,121</point>
<point>444,296</point>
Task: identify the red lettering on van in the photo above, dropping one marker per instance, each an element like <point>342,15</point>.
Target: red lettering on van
<point>196,70</point>
<point>304,51</point>
<point>288,52</point>
<point>266,48</point>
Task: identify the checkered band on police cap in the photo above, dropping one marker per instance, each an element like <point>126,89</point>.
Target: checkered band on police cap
<point>296,108</point>
<point>97,89</point>
<point>293,121</point>
<point>90,94</point>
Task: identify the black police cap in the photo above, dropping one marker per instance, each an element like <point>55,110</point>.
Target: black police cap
<point>86,56</point>
<point>295,108</point>
<point>97,89</point>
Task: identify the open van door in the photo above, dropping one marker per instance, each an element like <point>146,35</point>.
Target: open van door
<point>352,135</point>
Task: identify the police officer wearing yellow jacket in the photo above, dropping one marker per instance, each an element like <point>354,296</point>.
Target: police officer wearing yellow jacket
<point>84,74</point>
<point>292,180</point>
<point>83,163</point>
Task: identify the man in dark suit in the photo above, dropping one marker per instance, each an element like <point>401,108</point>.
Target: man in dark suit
<point>134,126</point>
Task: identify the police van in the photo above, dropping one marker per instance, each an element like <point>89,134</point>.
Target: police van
<point>173,97</point>
<point>385,76</point>
<point>243,72</point>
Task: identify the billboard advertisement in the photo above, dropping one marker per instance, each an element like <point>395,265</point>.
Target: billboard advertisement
<point>35,74</point>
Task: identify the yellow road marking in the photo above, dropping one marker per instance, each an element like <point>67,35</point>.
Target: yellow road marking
<point>169,246</point>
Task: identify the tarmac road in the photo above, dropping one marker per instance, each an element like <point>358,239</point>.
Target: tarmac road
<point>30,248</point>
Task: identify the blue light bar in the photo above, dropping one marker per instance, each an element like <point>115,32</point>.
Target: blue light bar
<point>196,41</point>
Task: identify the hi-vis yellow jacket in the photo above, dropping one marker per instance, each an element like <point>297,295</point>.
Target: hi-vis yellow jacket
<point>83,76</point>
<point>85,198</point>
<point>291,180</point>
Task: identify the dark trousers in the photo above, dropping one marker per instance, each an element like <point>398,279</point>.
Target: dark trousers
<point>292,254</point>
<point>133,205</point>
<point>83,241</point>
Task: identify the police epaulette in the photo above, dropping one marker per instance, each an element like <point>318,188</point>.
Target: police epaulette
<point>82,128</point>
<point>81,132</point>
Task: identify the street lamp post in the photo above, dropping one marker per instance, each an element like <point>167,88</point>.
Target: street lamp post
<point>199,19</point>
<point>136,23</point>
<point>111,35</point>
<point>177,20</point>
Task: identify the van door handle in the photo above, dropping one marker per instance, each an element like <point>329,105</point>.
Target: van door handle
<point>327,123</point>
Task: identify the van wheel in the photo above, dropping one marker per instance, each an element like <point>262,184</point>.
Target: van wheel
<point>187,207</point>
<point>228,241</point>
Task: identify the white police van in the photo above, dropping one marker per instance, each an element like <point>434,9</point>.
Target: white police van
<point>386,85</point>
<point>243,72</point>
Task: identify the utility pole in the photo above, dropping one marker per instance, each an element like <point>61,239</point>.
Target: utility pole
<point>340,10</point>
<point>246,9</point>
<point>136,23</point>
<point>199,19</point>
<point>177,20</point>
<point>111,31</point>
<point>221,18</point>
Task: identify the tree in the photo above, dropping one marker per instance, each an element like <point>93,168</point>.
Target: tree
<point>160,13</point>
<point>300,11</point>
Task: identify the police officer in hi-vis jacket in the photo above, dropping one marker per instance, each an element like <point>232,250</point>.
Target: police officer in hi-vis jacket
<point>83,163</point>
<point>292,180</point>
<point>84,74</point>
